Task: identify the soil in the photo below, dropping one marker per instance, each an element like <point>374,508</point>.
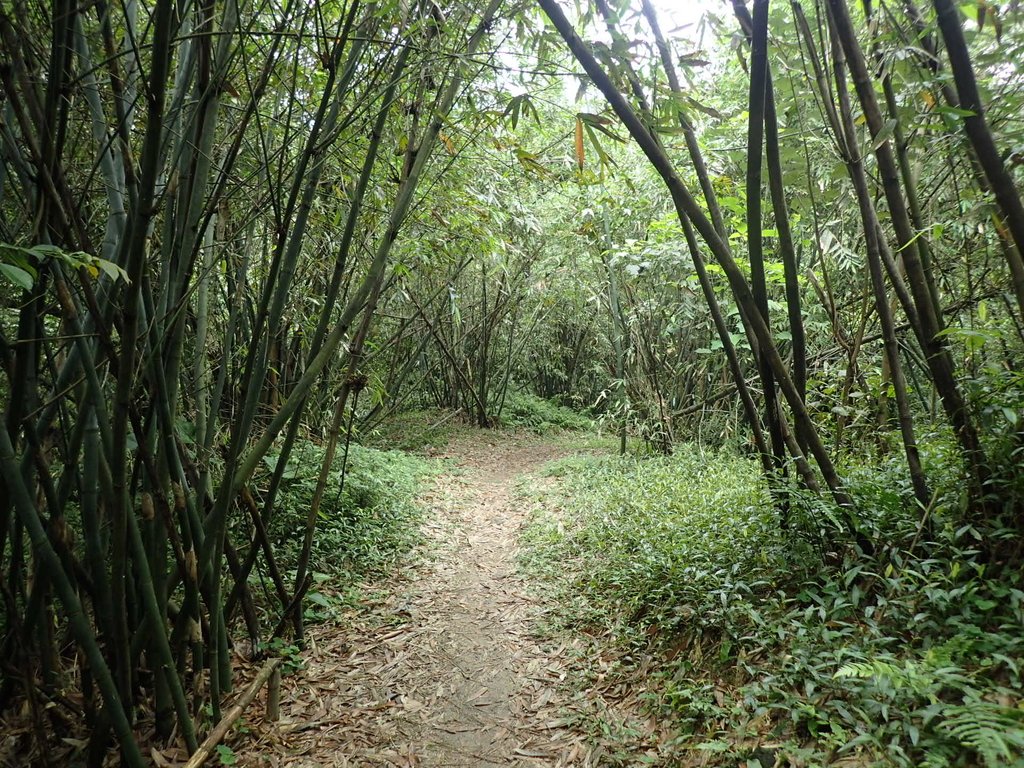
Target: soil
<point>441,667</point>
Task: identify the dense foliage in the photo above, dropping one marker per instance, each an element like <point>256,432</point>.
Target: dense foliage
<point>909,659</point>
<point>369,515</point>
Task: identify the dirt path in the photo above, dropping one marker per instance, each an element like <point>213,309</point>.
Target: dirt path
<point>442,669</point>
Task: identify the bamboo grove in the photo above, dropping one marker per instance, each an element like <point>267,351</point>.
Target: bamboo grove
<point>161,168</point>
<point>221,222</point>
<point>852,84</point>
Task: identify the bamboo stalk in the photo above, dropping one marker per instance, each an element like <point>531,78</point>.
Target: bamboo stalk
<point>711,199</point>
<point>912,250</point>
<point>274,696</point>
<point>72,605</point>
<point>688,210</point>
<point>216,736</point>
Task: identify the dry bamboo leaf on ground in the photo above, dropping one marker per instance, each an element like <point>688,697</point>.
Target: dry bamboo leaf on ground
<point>461,680</point>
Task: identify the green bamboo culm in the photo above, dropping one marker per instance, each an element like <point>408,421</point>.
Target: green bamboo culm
<point>76,617</point>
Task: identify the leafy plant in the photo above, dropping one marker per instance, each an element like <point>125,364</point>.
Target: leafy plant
<point>290,653</point>
<point>365,522</point>
<point>20,265</point>
<point>994,733</point>
<point>527,411</point>
<point>911,658</point>
<point>664,539</point>
<point>226,755</point>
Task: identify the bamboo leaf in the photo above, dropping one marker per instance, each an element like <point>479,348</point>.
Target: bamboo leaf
<point>531,163</point>
<point>605,159</point>
<point>601,124</point>
<point>692,60</point>
<point>910,242</point>
<point>112,270</point>
<point>943,109</point>
<point>530,109</point>
<point>710,111</point>
<point>512,110</point>
<point>22,258</point>
<point>885,134</point>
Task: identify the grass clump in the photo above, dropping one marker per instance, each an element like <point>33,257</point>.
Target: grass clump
<point>527,411</point>
<point>756,647</point>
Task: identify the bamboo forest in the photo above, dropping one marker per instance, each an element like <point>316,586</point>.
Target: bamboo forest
<point>554,384</point>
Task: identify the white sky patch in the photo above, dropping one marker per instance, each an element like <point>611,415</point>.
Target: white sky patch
<point>681,19</point>
<point>683,22</point>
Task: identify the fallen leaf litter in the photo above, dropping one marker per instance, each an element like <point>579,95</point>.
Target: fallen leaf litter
<point>444,671</point>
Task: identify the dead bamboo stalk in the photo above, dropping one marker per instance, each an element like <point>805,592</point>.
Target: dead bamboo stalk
<point>274,696</point>
<point>217,735</point>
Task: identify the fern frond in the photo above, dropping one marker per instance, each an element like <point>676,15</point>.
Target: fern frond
<point>940,756</point>
<point>994,733</point>
<point>912,675</point>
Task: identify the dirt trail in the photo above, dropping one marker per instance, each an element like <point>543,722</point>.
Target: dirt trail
<point>441,670</point>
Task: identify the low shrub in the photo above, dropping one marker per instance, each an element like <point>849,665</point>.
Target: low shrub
<point>364,524</point>
<point>527,411</point>
<point>764,654</point>
<point>660,539</point>
<point>418,431</point>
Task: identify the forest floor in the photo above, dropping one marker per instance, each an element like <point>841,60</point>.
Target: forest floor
<point>439,665</point>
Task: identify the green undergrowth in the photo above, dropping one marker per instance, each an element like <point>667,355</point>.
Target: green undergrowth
<point>756,647</point>
<point>363,527</point>
<point>417,431</point>
<point>523,410</point>
<point>649,537</point>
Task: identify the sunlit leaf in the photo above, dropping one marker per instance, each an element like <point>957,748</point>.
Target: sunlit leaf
<point>449,145</point>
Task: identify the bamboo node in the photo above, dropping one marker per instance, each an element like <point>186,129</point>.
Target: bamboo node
<point>148,511</point>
